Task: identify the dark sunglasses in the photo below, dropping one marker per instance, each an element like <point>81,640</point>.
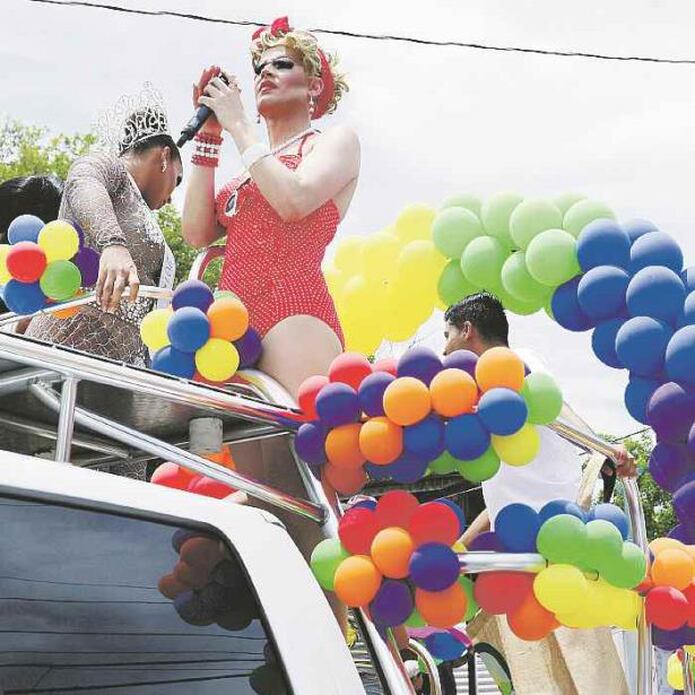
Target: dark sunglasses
<point>277,63</point>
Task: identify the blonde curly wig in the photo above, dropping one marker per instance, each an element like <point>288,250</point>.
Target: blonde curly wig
<point>307,46</point>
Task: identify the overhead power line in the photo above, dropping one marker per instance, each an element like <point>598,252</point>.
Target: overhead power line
<point>377,37</point>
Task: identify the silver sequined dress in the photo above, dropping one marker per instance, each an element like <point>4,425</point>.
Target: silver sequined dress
<point>102,198</point>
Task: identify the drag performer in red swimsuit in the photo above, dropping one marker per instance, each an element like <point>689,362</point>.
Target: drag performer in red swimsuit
<point>283,211</point>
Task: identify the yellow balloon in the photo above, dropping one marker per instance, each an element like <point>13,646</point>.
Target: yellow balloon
<point>217,360</point>
<point>690,648</point>
<point>348,254</point>
<point>59,241</point>
<point>420,261</point>
<point>335,279</point>
<point>674,673</point>
<point>415,222</point>
<point>380,253</point>
<point>519,448</point>
<point>4,274</point>
<point>362,337</point>
<point>560,588</point>
<point>153,329</point>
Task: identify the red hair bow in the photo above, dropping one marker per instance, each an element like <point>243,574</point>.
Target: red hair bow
<point>280,26</point>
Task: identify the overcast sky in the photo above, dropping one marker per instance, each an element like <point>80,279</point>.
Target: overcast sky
<point>433,121</point>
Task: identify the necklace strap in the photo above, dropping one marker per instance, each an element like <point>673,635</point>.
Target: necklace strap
<point>284,145</point>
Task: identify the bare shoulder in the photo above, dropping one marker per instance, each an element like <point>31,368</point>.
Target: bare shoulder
<point>340,137</point>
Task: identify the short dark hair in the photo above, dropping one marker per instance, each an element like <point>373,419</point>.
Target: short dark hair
<point>29,195</point>
<point>485,312</point>
<point>155,141</point>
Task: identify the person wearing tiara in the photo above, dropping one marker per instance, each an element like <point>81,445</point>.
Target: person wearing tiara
<point>111,194</point>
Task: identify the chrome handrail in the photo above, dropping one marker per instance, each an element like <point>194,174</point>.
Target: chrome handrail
<point>430,665</point>
<point>203,260</point>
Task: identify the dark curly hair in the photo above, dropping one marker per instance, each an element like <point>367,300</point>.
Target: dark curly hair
<point>485,312</point>
<point>29,195</point>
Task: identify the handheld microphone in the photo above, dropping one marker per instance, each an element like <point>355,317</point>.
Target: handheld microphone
<point>196,123</point>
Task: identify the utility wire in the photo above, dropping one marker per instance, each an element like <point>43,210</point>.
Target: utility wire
<point>377,37</point>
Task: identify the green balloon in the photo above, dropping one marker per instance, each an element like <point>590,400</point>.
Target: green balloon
<point>444,464</point>
<point>453,229</point>
<point>516,306</point>
<point>482,468</point>
<point>495,214</point>
<point>551,257</point>
<point>415,619</point>
<point>604,543</point>
<point>548,307</point>
<point>472,606</point>
<point>627,570</point>
<point>453,285</point>
<point>543,398</point>
<point>530,218</point>
<point>562,539</point>
<point>325,558</point>
<point>565,201</point>
<point>60,280</point>
<point>517,280</point>
<point>583,212</point>
<point>482,261</point>
<point>464,200</point>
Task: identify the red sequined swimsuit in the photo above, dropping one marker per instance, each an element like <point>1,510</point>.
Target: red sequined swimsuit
<point>274,266</point>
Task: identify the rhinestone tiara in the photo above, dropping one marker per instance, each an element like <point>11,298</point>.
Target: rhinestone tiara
<point>132,119</point>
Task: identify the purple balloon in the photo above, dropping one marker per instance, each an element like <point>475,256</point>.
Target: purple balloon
<point>87,261</point>
<point>193,293</point>
<point>669,640</point>
<point>684,506</point>
<point>681,533</point>
<point>406,469</point>
<point>392,604</point>
<point>671,411</point>
<point>80,232</point>
<point>309,443</point>
<point>487,541</point>
<point>421,363</point>
<point>669,463</point>
<point>336,404</point>
<point>434,567</point>
<point>691,441</point>
<point>461,359</point>
<point>371,393</point>
<point>249,348</point>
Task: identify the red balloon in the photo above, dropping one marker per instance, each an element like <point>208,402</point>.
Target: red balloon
<point>666,607</point>
<point>502,592</point>
<point>357,530</point>
<point>395,508</point>
<point>349,368</point>
<point>171,475</point>
<point>306,397</point>
<point>689,593</point>
<point>26,261</point>
<point>209,487</point>
<point>388,364</point>
<point>434,523</point>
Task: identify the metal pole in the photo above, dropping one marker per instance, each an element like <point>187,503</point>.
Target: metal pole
<point>432,670</point>
<point>689,688</point>
<point>168,452</point>
<point>66,419</point>
<point>18,379</point>
<point>480,561</point>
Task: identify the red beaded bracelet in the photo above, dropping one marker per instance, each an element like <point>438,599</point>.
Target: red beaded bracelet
<point>202,161</point>
<point>209,138</point>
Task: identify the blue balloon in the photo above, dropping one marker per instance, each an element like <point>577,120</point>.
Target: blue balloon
<point>641,345</point>
<point>488,540</point>
<point>670,412</point>
<point>392,604</point>
<point>337,404</point>
<point>192,293</point>
<point>601,292</point>
<point>24,297</point>
<point>637,228</point>
<point>456,509</point>
<point>461,359</point>
<point>249,347</point>
<point>657,292</point>
<point>371,393</point>
<point>566,309</point>
<point>556,507</point>
<point>603,242</point>
<point>420,362</point>
<point>517,526</point>
<point>603,342</point>
<point>24,228</point>
<point>669,464</point>
<point>466,437</point>
<point>656,248</point>
<point>365,504</point>
<point>502,411</point>
<point>188,329</point>
<point>309,443</point>
<point>688,278</point>
<point>425,440</point>
<point>680,356</point>
<point>444,646</point>
<point>615,515</point>
<point>407,469</point>
<point>434,567</point>
<point>687,317</point>
<point>637,394</point>
<point>172,361</point>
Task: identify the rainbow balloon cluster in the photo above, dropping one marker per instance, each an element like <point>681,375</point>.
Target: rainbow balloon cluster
<point>590,579</point>
<point>201,336</point>
<point>44,263</point>
<point>395,559</point>
<point>465,414</point>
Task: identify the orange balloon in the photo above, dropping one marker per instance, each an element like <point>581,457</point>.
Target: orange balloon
<point>391,551</point>
<point>229,318</point>
<point>407,401</point>
<point>499,367</point>
<point>346,481</point>
<point>530,621</point>
<point>659,544</point>
<point>673,567</point>
<point>442,608</point>
<point>381,441</point>
<point>454,392</point>
<point>356,581</point>
<point>343,446</point>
